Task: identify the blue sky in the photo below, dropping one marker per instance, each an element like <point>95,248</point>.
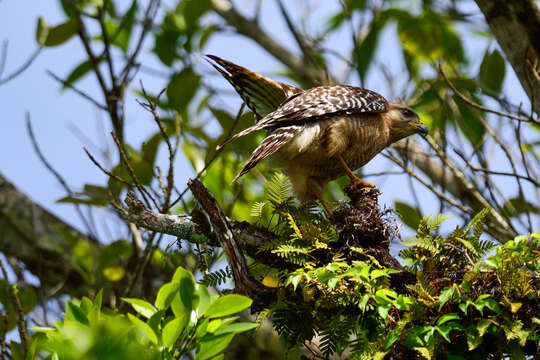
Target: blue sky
<point>60,117</point>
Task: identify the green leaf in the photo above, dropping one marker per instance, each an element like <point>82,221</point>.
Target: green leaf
<point>79,72</point>
<point>61,33</point>
<point>141,307</point>
<point>172,330</point>
<point>182,88</point>
<point>74,313</point>
<point>517,206</point>
<point>204,299</point>
<point>468,121</point>
<point>492,71</point>
<point>236,328</point>
<point>446,295</point>
<point>144,329</point>
<point>211,345</point>
<point>213,325</point>
<point>42,31</point>
<point>409,215</point>
<point>189,298</point>
<point>227,305</point>
<point>366,49</point>
<point>75,200</point>
<point>447,317</point>
<point>166,295</point>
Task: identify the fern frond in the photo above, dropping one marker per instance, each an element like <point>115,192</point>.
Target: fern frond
<point>279,189</point>
<point>217,278</point>
<point>477,223</point>
<point>257,209</point>
<point>261,316</point>
<point>294,254</point>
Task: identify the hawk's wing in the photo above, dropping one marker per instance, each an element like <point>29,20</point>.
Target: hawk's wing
<point>327,100</point>
<point>261,94</point>
<point>319,102</point>
<point>272,143</point>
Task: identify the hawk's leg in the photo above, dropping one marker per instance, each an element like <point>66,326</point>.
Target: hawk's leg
<point>317,189</point>
<point>354,179</point>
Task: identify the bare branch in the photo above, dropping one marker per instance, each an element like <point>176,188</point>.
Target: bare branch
<point>57,175</point>
<point>483,108</point>
<point>21,69</point>
<point>80,92</point>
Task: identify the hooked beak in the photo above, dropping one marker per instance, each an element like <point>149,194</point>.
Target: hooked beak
<point>420,127</point>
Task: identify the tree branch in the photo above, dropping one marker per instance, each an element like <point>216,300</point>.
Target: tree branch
<point>516,25</point>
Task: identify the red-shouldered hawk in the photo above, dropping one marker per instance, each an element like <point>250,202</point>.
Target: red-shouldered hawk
<point>320,134</point>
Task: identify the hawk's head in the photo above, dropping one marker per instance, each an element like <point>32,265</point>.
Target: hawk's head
<point>403,121</point>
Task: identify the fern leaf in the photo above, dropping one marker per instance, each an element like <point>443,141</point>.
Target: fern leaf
<point>279,189</point>
<point>257,209</point>
<point>217,278</point>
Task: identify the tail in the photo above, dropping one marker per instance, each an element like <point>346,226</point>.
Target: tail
<point>261,94</point>
<point>272,143</point>
<point>249,130</point>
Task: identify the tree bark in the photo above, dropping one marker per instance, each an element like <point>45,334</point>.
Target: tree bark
<point>516,26</point>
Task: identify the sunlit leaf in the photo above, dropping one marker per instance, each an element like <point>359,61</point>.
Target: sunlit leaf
<point>227,305</point>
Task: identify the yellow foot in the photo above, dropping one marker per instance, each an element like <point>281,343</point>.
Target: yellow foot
<point>361,183</point>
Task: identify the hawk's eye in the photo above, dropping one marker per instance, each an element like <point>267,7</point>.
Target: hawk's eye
<point>407,113</point>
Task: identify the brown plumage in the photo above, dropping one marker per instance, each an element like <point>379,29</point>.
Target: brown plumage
<point>317,135</point>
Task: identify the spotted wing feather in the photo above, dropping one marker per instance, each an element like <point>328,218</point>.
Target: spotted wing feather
<point>272,143</point>
<point>327,100</point>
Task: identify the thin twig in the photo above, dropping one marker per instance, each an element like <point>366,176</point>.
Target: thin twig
<point>149,15</point>
<point>23,67</point>
<point>138,185</point>
<point>56,174</point>
<point>494,172</point>
<point>483,108</point>
<point>463,251</point>
<point>435,191</point>
<point>209,162</point>
<point>107,172</point>
<point>80,92</point>
<point>106,41</point>
<point>152,108</point>
<point>21,323</point>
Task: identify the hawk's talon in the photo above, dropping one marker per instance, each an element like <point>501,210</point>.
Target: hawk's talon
<point>361,183</point>
<point>354,179</point>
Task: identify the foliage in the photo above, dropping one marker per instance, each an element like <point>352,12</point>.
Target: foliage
<point>184,318</point>
<point>463,303</point>
<point>462,298</point>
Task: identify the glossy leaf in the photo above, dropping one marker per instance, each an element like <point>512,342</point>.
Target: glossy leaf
<point>143,328</point>
<point>172,330</point>
<point>236,328</point>
<point>166,295</point>
<point>211,345</point>
<point>227,305</point>
<point>142,307</point>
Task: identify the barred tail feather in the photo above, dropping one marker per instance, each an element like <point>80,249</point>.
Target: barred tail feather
<point>249,130</point>
<point>261,94</point>
<point>272,143</point>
